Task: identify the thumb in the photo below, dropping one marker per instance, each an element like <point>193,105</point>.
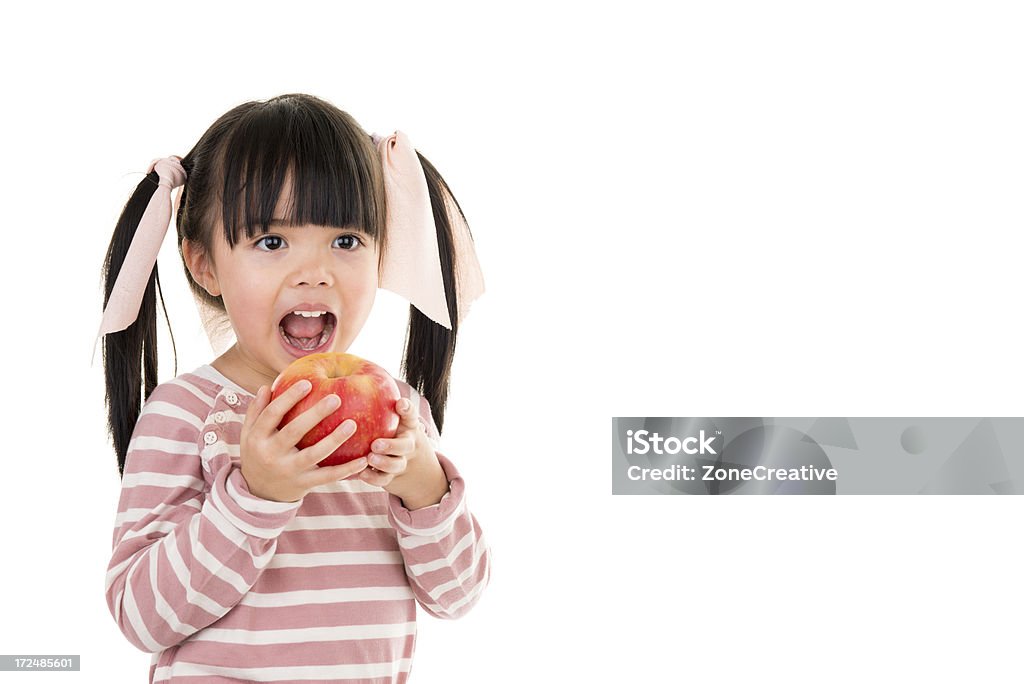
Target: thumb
<point>409,410</point>
<point>258,403</point>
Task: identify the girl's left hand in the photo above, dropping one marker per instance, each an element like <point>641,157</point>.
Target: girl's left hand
<point>406,465</point>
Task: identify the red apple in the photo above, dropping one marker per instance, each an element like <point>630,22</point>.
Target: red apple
<point>368,396</point>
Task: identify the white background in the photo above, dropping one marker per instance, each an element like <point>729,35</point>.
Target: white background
<point>730,208</point>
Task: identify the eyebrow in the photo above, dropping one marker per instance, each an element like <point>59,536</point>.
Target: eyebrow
<point>289,224</point>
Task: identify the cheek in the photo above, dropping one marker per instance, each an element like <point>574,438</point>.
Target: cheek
<point>365,285</point>
<point>365,293</point>
<point>360,294</point>
<point>247,300</point>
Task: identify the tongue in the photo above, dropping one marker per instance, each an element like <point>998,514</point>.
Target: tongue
<point>302,327</point>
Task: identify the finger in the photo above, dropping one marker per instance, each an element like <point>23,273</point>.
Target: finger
<point>326,446</point>
<point>291,433</point>
<point>329,474</point>
<point>409,411</point>
<point>376,477</point>
<point>276,408</point>
<point>393,465</point>
<point>257,403</point>
<point>252,414</point>
<point>399,446</point>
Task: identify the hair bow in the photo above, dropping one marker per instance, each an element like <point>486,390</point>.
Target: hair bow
<point>126,296</point>
<point>412,263</point>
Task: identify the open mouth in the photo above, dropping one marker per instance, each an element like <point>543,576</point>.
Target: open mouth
<point>308,336</point>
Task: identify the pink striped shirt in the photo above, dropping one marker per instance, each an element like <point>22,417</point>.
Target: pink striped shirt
<point>222,586</point>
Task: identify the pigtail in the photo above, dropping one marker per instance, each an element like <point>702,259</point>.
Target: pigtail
<point>429,346</point>
<point>130,355</point>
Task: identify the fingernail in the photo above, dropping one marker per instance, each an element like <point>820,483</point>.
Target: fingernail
<point>349,426</point>
<point>274,385</point>
<point>334,401</point>
<point>304,385</point>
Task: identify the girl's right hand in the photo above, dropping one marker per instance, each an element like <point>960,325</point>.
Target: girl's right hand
<point>272,466</point>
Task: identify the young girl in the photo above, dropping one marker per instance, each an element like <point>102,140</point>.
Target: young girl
<point>235,556</point>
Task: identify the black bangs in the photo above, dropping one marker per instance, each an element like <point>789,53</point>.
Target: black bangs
<point>313,162</point>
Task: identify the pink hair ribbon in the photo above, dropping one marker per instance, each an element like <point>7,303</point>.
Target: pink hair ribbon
<point>412,264</point>
<point>126,296</point>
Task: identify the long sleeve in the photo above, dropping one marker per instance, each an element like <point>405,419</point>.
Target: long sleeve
<point>184,551</point>
<point>447,559</point>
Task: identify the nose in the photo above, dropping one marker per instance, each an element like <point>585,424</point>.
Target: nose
<point>313,271</point>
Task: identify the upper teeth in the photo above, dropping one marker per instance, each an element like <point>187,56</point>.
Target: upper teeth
<point>309,314</point>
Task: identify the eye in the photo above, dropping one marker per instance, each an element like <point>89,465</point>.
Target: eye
<point>350,242</point>
<point>269,237</point>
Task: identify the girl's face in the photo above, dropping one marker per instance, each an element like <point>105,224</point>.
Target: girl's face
<point>290,268</point>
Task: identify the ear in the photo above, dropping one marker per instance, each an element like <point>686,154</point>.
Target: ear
<point>200,266</point>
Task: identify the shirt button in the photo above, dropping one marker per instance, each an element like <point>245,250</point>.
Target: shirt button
<point>231,397</point>
<point>219,416</point>
<point>210,437</point>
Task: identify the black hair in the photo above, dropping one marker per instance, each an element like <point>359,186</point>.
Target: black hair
<point>235,175</point>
